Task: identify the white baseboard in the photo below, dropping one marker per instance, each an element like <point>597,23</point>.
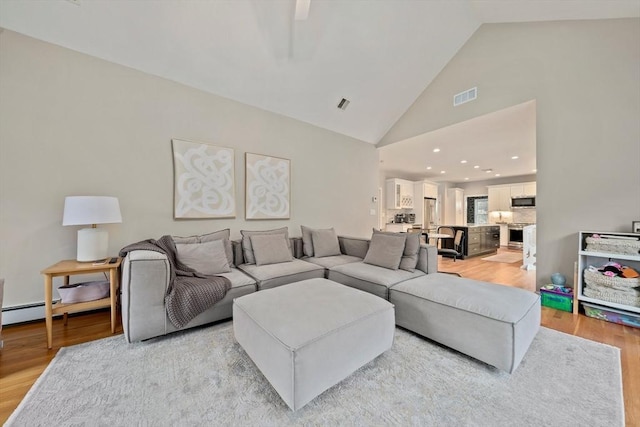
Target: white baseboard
<point>11,315</point>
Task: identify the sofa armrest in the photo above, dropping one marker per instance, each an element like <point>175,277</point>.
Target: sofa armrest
<point>354,246</point>
<point>296,247</point>
<point>145,279</point>
<point>428,259</point>
<point>238,254</point>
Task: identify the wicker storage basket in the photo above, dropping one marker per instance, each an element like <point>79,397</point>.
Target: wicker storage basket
<point>615,246</point>
<point>594,278</point>
<point>629,297</point>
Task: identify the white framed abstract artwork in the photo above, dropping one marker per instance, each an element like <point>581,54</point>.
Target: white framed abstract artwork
<point>268,187</point>
<point>204,184</point>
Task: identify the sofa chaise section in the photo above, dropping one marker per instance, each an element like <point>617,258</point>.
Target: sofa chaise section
<point>492,323</point>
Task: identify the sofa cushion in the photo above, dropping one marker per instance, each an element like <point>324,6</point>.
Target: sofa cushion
<point>370,278</point>
<point>247,249</point>
<point>206,258</point>
<point>270,249</point>
<point>386,250</point>
<point>272,275</point>
<point>333,261</point>
<point>223,235</point>
<point>409,258</point>
<point>307,243</point>
<point>325,243</point>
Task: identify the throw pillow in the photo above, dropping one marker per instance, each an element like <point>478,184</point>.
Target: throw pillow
<point>207,258</point>
<point>270,249</point>
<point>307,243</point>
<point>228,247</point>
<point>216,235</point>
<point>409,259</point>
<point>325,243</point>
<point>247,249</point>
<point>385,250</point>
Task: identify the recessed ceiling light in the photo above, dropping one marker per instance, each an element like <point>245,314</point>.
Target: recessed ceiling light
<point>428,168</point>
<point>497,174</point>
<point>442,172</point>
<point>514,157</point>
<point>463,161</point>
<point>466,179</point>
<point>535,170</point>
<point>488,171</point>
<point>476,167</point>
<point>436,150</point>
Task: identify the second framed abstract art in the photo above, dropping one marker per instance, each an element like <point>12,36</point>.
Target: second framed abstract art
<point>268,187</point>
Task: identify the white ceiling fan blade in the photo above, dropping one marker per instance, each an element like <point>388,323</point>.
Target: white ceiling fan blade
<point>302,9</point>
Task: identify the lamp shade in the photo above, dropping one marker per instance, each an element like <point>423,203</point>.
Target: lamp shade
<point>82,210</point>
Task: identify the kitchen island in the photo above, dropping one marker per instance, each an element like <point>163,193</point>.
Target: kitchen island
<point>481,239</point>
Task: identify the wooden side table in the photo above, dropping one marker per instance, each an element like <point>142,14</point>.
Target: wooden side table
<point>68,268</point>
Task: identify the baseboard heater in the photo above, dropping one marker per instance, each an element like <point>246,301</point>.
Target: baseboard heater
<point>23,313</point>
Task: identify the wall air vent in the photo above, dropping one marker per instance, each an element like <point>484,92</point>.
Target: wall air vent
<point>343,104</point>
<point>466,96</point>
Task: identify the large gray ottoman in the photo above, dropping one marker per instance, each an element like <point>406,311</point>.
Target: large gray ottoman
<point>492,323</point>
<point>307,336</point>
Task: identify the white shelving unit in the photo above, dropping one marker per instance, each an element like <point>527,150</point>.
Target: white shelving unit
<point>587,258</point>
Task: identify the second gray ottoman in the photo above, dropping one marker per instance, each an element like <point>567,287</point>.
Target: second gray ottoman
<point>307,336</point>
<point>492,323</point>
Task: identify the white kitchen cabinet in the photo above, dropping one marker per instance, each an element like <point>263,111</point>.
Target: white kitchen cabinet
<point>399,194</point>
<point>430,190</point>
<point>524,189</point>
<point>454,211</point>
<point>517,190</point>
<point>598,256</point>
<point>422,190</point>
<point>530,188</point>
<point>499,198</point>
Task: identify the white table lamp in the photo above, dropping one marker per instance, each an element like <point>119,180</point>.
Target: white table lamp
<point>93,243</point>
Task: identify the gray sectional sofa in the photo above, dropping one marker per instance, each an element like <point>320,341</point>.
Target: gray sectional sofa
<point>146,276</point>
<point>492,323</point>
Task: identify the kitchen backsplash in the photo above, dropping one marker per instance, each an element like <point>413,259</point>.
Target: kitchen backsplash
<point>524,215</point>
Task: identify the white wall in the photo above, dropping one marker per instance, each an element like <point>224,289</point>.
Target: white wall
<point>585,78</point>
<point>71,124</point>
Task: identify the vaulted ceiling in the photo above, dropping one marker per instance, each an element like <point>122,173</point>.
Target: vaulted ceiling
<point>380,55</point>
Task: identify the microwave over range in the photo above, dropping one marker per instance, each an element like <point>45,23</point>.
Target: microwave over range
<point>523,202</point>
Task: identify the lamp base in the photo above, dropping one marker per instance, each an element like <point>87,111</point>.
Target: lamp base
<point>93,244</point>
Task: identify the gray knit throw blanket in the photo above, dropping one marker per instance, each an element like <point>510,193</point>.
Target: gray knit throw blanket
<point>189,293</point>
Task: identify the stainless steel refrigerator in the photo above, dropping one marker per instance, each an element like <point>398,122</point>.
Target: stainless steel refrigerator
<point>429,219</point>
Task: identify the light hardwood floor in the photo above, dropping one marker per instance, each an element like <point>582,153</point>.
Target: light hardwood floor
<point>25,353</point>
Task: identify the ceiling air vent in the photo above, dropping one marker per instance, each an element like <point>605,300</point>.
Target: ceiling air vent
<point>343,104</point>
<point>466,96</point>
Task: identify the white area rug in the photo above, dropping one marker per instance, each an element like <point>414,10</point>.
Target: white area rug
<point>202,377</point>
<point>507,257</point>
